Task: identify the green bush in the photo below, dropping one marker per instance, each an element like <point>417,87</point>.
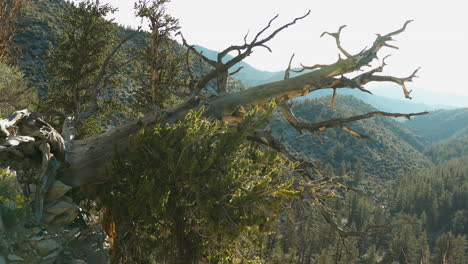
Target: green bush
<point>13,204</point>
<point>15,94</point>
<point>195,190</point>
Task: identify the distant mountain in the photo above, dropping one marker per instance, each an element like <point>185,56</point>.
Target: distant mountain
<point>451,148</point>
<point>439,100</point>
<point>393,149</point>
<point>446,133</point>
<point>251,76</point>
<point>439,125</point>
<point>380,102</point>
<point>37,34</point>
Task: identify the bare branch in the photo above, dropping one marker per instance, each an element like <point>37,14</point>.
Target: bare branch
<point>221,68</point>
<point>399,81</point>
<point>340,122</point>
<point>287,71</point>
<point>320,126</point>
<point>333,98</point>
<point>237,71</point>
<point>98,81</point>
<point>199,54</point>
<point>265,138</point>
<point>316,66</point>
<point>247,47</point>
<point>245,37</point>
<point>338,42</point>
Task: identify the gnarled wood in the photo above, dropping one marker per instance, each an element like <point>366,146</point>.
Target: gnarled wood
<point>221,69</point>
<point>85,161</point>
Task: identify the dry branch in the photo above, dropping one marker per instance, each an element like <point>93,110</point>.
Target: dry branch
<point>98,83</point>
<point>313,183</point>
<point>340,122</point>
<point>324,77</point>
<point>221,69</point>
<point>337,39</point>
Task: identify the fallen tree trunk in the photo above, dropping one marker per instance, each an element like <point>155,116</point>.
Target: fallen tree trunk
<point>84,161</point>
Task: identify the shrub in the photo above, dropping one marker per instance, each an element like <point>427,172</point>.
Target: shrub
<point>195,190</point>
<point>13,205</point>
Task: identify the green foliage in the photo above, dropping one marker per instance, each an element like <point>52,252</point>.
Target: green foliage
<point>15,93</point>
<point>160,65</point>
<point>453,147</point>
<point>439,125</point>
<point>76,63</point>
<point>13,205</point>
<point>439,193</point>
<point>451,248</point>
<point>391,151</point>
<point>195,190</point>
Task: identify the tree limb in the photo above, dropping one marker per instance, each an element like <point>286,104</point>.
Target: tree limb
<point>338,42</point>
<point>97,84</point>
<point>340,122</point>
<point>221,68</point>
<point>265,138</point>
<point>325,76</point>
<point>199,54</point>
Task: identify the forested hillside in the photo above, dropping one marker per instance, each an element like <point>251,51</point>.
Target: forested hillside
<point>450,148</point>
<point>139,149</point>
<point>391,150</point>
<point>440,125</point>
<point>419,207</point>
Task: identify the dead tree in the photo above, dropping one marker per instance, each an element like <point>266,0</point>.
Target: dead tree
<point>79,162</point>
<point>221,69</point>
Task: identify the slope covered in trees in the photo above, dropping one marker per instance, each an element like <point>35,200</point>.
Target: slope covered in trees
<point>203,176</point>
<point>453,147</point>
<point>391,150</point>
<point>440,125</point>
<point>421,213</point>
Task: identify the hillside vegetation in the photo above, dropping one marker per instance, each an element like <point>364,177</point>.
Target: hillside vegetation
<point>440,125</point>
<point>410,179</point>
<point>392,150</point>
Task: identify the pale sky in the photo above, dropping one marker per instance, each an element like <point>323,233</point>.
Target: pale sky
<point>437,39</point>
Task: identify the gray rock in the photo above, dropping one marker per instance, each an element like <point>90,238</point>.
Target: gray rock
<point>60,208</point>
<point>57,190</point>
<point>14,257</point>
<point>66,198</point>
<point>32,187</point>
<point>36,230</point>
<point>60,213</point>
<point>44,247</point>
<point>47,218</point>
<point>78,261</point>
<point>52,255</point>
<point>37,238</point>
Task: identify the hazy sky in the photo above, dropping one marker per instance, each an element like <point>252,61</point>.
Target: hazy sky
<point>437,39</point>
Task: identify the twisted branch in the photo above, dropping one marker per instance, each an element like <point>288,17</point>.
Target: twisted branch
<point>340,122</point>
<point>221,69</point>
<point>336,35</point>
<point>98,83</point>
<point>303,168</point>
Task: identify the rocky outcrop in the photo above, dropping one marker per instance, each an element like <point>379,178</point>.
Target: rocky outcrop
<point>60,213</point>
<point>56,191</point>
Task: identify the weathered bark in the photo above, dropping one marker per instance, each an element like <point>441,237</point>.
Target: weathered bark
<point>89,157</point>
<point>43,140</point>
<point>84,161</point>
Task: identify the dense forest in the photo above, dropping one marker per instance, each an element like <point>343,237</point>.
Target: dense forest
<point>202,177</point>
